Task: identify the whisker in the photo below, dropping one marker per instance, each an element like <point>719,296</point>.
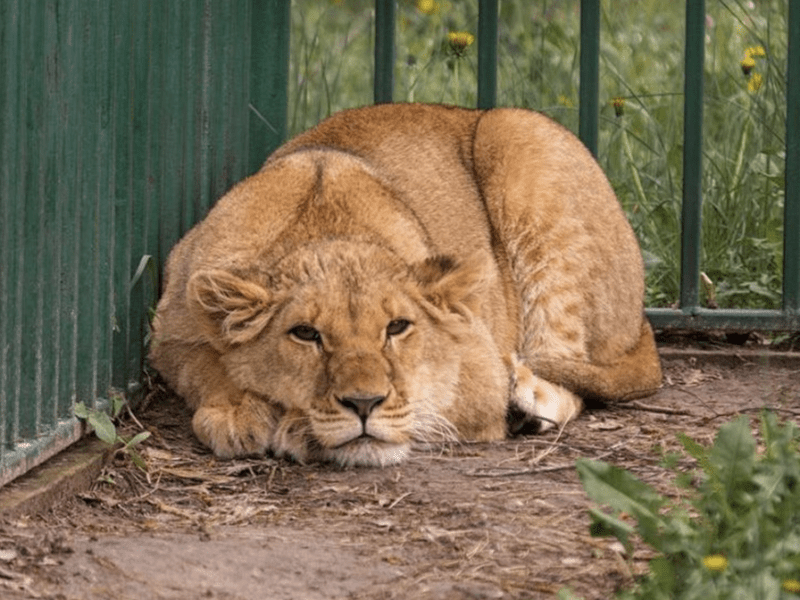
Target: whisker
<point>430,427</point>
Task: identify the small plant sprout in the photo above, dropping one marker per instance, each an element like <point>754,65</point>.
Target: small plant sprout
<point>103,425</point>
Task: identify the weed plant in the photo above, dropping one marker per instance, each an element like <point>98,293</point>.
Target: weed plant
<point>735,533</point>
<point>641,120</point>
<point>103,425</point>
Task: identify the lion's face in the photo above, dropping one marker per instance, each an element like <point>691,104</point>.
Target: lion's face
<point>358,349</point>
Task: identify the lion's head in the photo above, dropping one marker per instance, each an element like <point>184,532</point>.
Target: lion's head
<point>358,351</point>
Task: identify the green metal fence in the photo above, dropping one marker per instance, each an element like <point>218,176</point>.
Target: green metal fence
<point>690,315</point>
<point>120,123</point>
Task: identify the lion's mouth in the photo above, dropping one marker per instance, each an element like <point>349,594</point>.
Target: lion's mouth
<point>366,451</point>
<point>363,439</point>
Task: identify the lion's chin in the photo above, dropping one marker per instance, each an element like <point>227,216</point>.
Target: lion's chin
<point>367,452</point>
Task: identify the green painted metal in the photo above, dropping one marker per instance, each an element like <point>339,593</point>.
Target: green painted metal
<point>590,74</point>
<point>691,214</point>
<point>120,124</point>
<point>384,51</point>
<point>269,76</point>
<point>487,53</point>
<point>724,319</point>
<point>791,221</point>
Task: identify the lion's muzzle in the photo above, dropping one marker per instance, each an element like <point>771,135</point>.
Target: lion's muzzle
<point>359,381</point>
<point>361,405</point>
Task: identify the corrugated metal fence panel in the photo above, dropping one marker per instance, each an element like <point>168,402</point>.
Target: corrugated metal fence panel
<point>120,123</point>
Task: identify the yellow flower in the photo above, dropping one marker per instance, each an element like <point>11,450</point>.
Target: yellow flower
<point>715,562</point>
<point>751,53</point>
<point>459,40</point>
<point>428,7</point>
<point>619,105</point>
<point>754,83</point>
<point>791,585</point>
<point>565,101</point>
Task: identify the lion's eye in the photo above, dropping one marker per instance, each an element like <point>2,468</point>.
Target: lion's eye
<point>397,327</point>
<point>306,333</point>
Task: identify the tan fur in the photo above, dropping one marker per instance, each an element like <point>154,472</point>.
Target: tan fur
<point>405,273</point>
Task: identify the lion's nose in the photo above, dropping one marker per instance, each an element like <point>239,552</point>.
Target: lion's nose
<point>361,405</point>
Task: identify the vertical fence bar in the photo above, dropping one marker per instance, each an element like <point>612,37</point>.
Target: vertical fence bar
<point>49,318</point>
<point>105,236</point>
<point>10,303</point>
<point>32,246</point>
<point>13,163</point>
<point>269,77</point>
<point>170,127</point>
<point>201,176</point>
<point>218,77</point>
<point>191,70</point>
<point>487,53</point>
<point>69,206</point>
<point>791,220</point>
<point>143,291</point>
<point>384,51</point>
<point>87,67</point>
<point>589,77</point>
<point>692,154</point>
<point>239,130</point>
<point>123,209</point>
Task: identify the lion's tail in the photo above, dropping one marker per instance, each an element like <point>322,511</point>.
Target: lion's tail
<point>636,374</point>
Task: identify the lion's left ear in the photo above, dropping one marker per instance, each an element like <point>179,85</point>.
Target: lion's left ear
<point>230,309</point>
<point>453,285</point>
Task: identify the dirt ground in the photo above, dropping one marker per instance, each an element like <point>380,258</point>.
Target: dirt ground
<point>471,521</point>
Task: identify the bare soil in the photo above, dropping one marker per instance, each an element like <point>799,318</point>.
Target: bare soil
<point>469,521</point>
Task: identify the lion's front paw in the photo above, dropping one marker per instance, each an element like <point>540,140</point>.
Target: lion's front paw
<point>291,438</point>
<point>238,428</point>
<point>537,405</point>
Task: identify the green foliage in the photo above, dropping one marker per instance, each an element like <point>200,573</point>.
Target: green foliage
<point>739,534</point>
<point>641,63</point>
<point>103,425</point>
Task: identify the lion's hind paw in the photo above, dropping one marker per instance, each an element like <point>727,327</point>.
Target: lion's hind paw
<point>536,405</point>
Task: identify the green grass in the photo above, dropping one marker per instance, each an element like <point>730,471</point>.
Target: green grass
<point>641,61</point>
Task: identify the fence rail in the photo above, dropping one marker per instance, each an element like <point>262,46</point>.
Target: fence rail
<point>120,123</point>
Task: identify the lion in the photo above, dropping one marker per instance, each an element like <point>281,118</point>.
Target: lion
<point>405,274</point>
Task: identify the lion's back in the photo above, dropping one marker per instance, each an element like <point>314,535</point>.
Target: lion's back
<point>425,154</point>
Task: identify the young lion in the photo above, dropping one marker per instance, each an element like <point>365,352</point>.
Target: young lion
<point>405,272</point>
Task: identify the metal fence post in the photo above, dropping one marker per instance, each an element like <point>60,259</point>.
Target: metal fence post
<point>692,154</point>
<point>384,51</point>
<point>487,53</point>
<point>791,220</point>
<point>589,77</point>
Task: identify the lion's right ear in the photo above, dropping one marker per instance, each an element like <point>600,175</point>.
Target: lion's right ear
<point>228,308</point>
<point>453,286</point>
